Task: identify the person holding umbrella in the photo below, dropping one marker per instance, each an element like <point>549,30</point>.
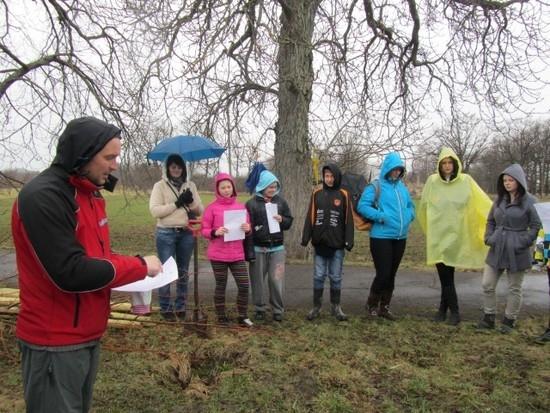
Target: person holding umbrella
<point>174,200</point>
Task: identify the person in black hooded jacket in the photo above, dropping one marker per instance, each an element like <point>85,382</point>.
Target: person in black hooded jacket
<point>66,268</point>
<point>329,226</point>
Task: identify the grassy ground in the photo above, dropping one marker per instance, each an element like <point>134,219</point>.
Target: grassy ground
<point>361,365</point>
<point>133,228</point>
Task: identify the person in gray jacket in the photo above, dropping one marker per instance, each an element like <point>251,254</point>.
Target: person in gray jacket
<point>512,227</point>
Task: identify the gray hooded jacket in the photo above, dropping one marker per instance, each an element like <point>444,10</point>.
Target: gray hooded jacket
<point>512,227</point>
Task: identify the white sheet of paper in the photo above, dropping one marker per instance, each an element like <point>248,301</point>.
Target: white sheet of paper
<point>543,209</point>
<point>169,273</point>
<point>271,210</point>
<point>232,220</point>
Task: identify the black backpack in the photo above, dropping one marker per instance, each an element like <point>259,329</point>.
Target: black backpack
<point>355,184</point>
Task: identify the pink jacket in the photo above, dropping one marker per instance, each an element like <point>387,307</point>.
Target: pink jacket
<point>218,250</point>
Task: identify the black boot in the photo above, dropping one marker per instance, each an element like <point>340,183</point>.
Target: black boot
<point>441,314</point>
<point>384,308</point>
<point>452,300</point>
<point>372,304</point>
<point>317,300</point>
<point>336,309</point>
<point>487,322</point>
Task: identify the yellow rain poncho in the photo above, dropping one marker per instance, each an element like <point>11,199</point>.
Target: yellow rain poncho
<point>453,215</point>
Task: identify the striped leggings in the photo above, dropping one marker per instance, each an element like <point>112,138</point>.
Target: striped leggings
<point>240,274</point>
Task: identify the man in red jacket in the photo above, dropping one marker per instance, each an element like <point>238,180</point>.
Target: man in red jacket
<point>67,269</point>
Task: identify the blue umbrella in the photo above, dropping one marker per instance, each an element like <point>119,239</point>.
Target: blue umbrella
<point>191,148</point>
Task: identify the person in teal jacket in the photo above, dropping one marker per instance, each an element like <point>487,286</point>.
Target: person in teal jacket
<point>386,202</point>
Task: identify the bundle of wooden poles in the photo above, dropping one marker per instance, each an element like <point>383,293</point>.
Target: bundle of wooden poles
<point>120,311</point>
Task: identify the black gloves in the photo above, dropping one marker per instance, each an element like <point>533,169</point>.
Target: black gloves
<point>185,198</point>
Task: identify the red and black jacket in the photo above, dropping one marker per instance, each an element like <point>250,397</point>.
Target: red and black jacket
<point>64,259</point>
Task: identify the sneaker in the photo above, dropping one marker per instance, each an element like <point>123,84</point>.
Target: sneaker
<point>384,312</point>
<point>168,316</point>
<point>245,322</point>
<point>180,315</point>
<point>259,316</point>
<point>278,317</point>
<point>544,338</point>
<point>372,312</point>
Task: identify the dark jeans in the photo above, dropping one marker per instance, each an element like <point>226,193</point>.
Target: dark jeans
<point>178,244</point>
<point>386,254</point>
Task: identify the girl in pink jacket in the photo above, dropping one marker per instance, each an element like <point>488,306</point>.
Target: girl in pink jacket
<point>224,255</point>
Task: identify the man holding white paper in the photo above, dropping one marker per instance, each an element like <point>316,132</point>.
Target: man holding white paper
<point>269,216</point>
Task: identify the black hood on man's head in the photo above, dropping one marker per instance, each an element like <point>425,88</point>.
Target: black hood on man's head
<point>337,175</point>
<point>81,140</point>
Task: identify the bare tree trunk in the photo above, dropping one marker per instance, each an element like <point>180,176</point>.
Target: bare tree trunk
<point>292,154</point>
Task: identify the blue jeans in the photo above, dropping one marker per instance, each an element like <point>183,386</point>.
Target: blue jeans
<point>323,266</point>
<point>177,244</point>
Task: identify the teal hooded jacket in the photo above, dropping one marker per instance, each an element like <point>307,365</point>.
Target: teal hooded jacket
<point>393,211</point>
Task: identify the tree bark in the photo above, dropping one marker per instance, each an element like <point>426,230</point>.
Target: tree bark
<point>292,153</point>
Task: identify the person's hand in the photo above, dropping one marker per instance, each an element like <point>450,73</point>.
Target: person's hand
<point>278,218</point>
<point>220,231</point>
<point>185,198</point>
<point>154,266</point>
<point>245,227</point>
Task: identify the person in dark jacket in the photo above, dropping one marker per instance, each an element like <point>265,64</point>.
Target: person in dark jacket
<point>269,264</point>
<point>391,212</point>
<point>512,227</point>
<point>66,268</point>
<point>329,226</point>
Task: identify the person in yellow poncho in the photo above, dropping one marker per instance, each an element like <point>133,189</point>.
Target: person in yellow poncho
<point>452,213</point>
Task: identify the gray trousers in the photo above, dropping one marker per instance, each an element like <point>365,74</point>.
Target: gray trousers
<point>59,381</point>
<point>513,298</point>
<point>269,268</point>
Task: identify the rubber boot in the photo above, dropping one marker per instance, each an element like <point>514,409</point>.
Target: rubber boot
<point>384,308</point>
<point>372,304</point>
<point>441,315</point>
<point>317,300</point>
<point>452,300</point>
<point>336,309</point>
